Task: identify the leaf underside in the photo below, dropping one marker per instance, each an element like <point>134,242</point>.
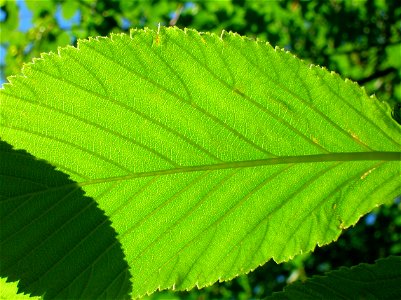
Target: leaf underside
<point>210,155</point>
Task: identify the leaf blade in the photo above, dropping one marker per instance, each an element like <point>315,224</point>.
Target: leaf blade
<point>164,125</point>
<point>379,280</point>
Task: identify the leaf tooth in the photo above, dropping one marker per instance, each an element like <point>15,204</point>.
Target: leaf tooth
<point>223,33</point>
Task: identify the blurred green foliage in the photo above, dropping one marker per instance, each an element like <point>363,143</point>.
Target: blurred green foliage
<point>360,40</point>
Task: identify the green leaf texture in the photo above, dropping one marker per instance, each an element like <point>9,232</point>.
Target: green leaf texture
<point>210,155</point>
<point>377,281</point>
<point>53,239</point>
<point>9,290</point>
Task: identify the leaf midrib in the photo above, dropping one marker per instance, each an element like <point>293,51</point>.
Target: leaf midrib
<point>314,158</point>
<point>300,159</point>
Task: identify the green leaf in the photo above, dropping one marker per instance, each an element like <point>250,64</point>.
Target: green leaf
<point>9,290</point>
<point>210,155</point>
<point>53,239</point>
<point>377,281</point>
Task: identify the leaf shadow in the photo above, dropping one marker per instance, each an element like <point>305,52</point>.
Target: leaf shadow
<point>53,239</point>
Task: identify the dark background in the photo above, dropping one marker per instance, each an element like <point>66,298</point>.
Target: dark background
<point>360,40</point>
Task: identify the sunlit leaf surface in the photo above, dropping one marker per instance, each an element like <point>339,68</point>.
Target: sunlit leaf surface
<point>210,155</point>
